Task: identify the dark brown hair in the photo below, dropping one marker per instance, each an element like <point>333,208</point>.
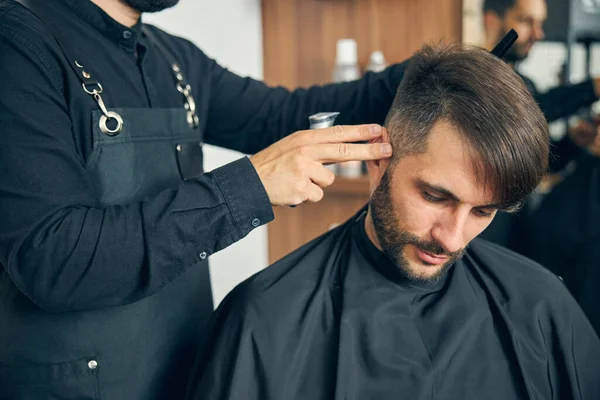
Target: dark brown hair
<point>487,102</point>
<point>500,7</point>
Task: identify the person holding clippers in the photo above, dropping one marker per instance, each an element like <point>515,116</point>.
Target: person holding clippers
<point>107,218</point>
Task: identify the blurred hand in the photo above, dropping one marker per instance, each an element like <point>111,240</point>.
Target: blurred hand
<point>584,133</point>
<point>292,170</point>
<point>594,148</point>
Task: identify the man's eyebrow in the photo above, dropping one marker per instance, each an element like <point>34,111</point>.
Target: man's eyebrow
<point>442,190</point>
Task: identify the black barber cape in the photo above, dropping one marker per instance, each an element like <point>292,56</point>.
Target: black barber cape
<point>333,320</point>
<point>564,234</point>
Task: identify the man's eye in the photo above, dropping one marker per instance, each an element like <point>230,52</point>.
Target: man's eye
<point>482,213</point>
<point>432,199</point>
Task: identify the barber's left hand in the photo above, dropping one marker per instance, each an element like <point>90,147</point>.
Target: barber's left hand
<point>584,132</point>
<point>594,147</point>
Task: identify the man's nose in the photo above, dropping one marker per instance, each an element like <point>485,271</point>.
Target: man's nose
<point>449,232</point>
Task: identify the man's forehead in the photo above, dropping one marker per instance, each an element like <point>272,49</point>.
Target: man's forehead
<point>450,163</point>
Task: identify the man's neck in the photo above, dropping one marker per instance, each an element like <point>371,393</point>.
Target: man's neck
<point>370,230</point>
<point>119,11</point>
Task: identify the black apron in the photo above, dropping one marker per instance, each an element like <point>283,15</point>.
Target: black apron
<point>142,350</point>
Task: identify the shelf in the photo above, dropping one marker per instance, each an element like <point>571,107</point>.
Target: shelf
<point>349,186</point>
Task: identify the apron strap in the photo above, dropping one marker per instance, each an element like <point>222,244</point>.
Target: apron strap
<point>91,87</point>
<point>40,13</point>
<point>182,86</point>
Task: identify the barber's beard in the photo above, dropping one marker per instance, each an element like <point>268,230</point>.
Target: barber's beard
<point>150,5</point>
<point>512,55</point>
<point>515,53</point>
<point>393,240</point>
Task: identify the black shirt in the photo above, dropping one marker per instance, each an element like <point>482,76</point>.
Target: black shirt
<point>54,236</point>
<point>333,320</point>
<point>562,102</point>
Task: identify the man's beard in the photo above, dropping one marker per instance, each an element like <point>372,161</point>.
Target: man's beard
<point>150,5</point>
<point>513,55</point>
<point>393,241</point>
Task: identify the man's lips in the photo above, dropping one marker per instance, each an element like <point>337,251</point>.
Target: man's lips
<point>430,258</point>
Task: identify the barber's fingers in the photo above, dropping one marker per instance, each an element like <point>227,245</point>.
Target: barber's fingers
<point>328,153</point>
<point>313,193</point>
<point>588,129</point>
<point>320,175</point>
<point>350,133</point>
<point>339,134</point>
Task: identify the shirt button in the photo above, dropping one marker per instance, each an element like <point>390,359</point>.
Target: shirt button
<point>92,364</point>
<point>126,34</point>
<point>255,222</point>
<point>202,255</point>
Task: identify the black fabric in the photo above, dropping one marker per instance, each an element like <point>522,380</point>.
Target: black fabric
<point>564,234</point>
<point>104,240</point>
<point>334,321</point>
<point>562,102</point>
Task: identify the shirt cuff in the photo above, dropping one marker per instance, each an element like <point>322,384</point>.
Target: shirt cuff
<point>245,195</point>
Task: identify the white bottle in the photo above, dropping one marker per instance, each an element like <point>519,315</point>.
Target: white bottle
<point>377,62</point>
<point>346,69</point>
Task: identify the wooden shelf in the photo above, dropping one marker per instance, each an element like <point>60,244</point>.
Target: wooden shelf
<point>349,186</point>
<point>299,36</point>
<point>294,227</point>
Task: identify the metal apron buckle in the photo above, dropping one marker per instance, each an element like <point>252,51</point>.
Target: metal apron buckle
<point>106,115</point>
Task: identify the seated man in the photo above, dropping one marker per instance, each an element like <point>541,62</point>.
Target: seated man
<point>393,304</point>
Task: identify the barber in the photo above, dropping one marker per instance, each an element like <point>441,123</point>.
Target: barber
<point>106,217</point>
<point>527,17</point>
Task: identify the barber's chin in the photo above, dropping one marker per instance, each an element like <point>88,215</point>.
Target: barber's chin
<point>526,50</point>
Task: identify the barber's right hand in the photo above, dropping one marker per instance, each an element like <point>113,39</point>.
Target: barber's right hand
<point>292,170</point>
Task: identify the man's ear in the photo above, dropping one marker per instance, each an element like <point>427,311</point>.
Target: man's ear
<point>376,168</point>
<point>492,26</point>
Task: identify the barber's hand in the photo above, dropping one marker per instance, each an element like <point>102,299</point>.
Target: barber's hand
<point>292,170</point>
<point>594,147</point>
<point>584,133</point>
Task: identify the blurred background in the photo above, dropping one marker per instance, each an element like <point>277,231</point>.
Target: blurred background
<point>296,43</point>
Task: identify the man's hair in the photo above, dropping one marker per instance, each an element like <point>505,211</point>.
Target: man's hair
<point>487,102</point>
<point>498,6</point>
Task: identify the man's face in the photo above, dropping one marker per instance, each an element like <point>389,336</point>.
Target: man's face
<point>428,207</point>
<point>150,5</point>
<point>527,18</point>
